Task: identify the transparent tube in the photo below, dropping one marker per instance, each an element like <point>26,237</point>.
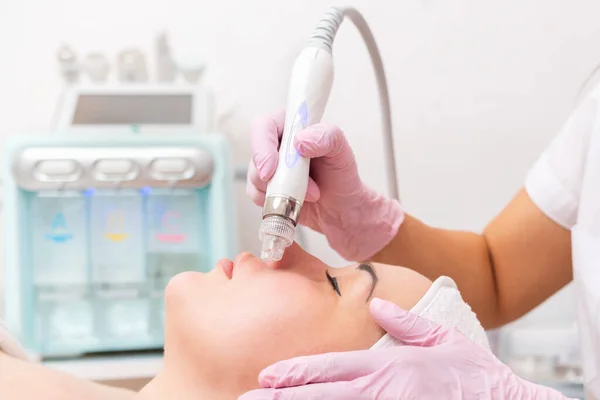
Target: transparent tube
<point>276,233</point>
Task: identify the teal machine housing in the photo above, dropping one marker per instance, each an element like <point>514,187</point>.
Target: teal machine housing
<point>95,227</point>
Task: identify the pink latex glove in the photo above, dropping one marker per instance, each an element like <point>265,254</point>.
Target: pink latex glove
<point>436,363</point>
<point>357,221</point>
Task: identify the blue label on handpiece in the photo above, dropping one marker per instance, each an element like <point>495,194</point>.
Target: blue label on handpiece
<point>299,123</point>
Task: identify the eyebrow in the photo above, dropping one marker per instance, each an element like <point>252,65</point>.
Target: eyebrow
<point>368,267</point>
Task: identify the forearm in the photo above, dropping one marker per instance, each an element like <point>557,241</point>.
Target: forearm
<point>520,260</point>
<point>463,256</point>
<point>26,380</point>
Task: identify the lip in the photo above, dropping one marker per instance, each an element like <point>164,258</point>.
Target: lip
<point>227,267</point>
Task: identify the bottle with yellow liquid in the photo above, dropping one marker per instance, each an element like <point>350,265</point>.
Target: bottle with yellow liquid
<point>116,224</point>
<point>117,263</point>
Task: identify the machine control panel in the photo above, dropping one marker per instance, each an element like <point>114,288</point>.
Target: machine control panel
<point>171,169</point>
<point>57,171</point>
<point>116,170</point>
<point>47,168</point>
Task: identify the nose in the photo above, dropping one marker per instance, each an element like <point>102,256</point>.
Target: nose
<point>243,257</point>
<point>297,259</point>
<point>291,256</point>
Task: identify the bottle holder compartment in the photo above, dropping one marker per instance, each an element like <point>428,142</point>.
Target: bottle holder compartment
<point>98,261</point>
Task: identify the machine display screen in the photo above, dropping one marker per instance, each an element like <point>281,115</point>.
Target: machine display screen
<point>124,109</point>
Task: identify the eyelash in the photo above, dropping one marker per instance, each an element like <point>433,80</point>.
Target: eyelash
<point>334,283</point>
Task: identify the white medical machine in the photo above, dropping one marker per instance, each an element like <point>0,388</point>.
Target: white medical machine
<point>96,225</point>
<point>161,109</point>
<point>132,186</point>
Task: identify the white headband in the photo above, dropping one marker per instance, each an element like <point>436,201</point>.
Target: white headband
<point>444,305</point>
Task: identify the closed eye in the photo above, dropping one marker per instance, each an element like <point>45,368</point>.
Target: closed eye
<point>334,283</point>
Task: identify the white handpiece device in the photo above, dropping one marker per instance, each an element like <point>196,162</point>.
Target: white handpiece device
<point>311,82</point>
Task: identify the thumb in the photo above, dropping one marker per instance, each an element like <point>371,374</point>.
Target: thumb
<point>408,328</point>
<point>322,140</point>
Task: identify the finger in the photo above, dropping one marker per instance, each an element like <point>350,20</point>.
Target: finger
<point>266,131</point>
<point>321,391</point>
<point>257,196</point>
<point>322,140</point>
<point>254,178</point>
<point>321,368</point>
<point>407,327</point>
<point>313,193</point>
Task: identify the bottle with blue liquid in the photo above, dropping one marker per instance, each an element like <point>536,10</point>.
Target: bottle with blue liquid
<point>60,273</point>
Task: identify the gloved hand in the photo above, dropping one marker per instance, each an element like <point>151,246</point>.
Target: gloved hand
<point>436,363</point>
<point>357,221</point>
<point>9,345</point>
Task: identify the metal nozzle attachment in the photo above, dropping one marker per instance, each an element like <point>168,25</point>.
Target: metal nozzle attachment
<point>283,206</point>
<point>280,215</point>
<point>276,233</point>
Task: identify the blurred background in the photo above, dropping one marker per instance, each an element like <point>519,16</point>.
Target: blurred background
<point>478,90</point>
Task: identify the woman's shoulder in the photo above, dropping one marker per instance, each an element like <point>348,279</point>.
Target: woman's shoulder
<point>9,345</point>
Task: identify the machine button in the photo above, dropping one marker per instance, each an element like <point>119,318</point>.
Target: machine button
<point>57,167</point>
<point>114,167</point>
<point>170,165</point>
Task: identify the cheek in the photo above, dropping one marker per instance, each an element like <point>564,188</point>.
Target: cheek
<point>356,329</point>
<point>249,322</point>
<point>271,308</point>
<point>274,320</point>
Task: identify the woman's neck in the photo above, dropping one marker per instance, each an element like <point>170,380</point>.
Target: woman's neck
<point>168,387</point>
<point>165,387</point>
<point>181,383</point>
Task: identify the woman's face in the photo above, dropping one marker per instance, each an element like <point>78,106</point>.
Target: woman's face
<point>246,314</point>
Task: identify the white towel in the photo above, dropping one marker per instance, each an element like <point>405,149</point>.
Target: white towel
<point>444,305</point>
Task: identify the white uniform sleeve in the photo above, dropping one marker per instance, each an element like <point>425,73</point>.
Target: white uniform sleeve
<point>554,182</point>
